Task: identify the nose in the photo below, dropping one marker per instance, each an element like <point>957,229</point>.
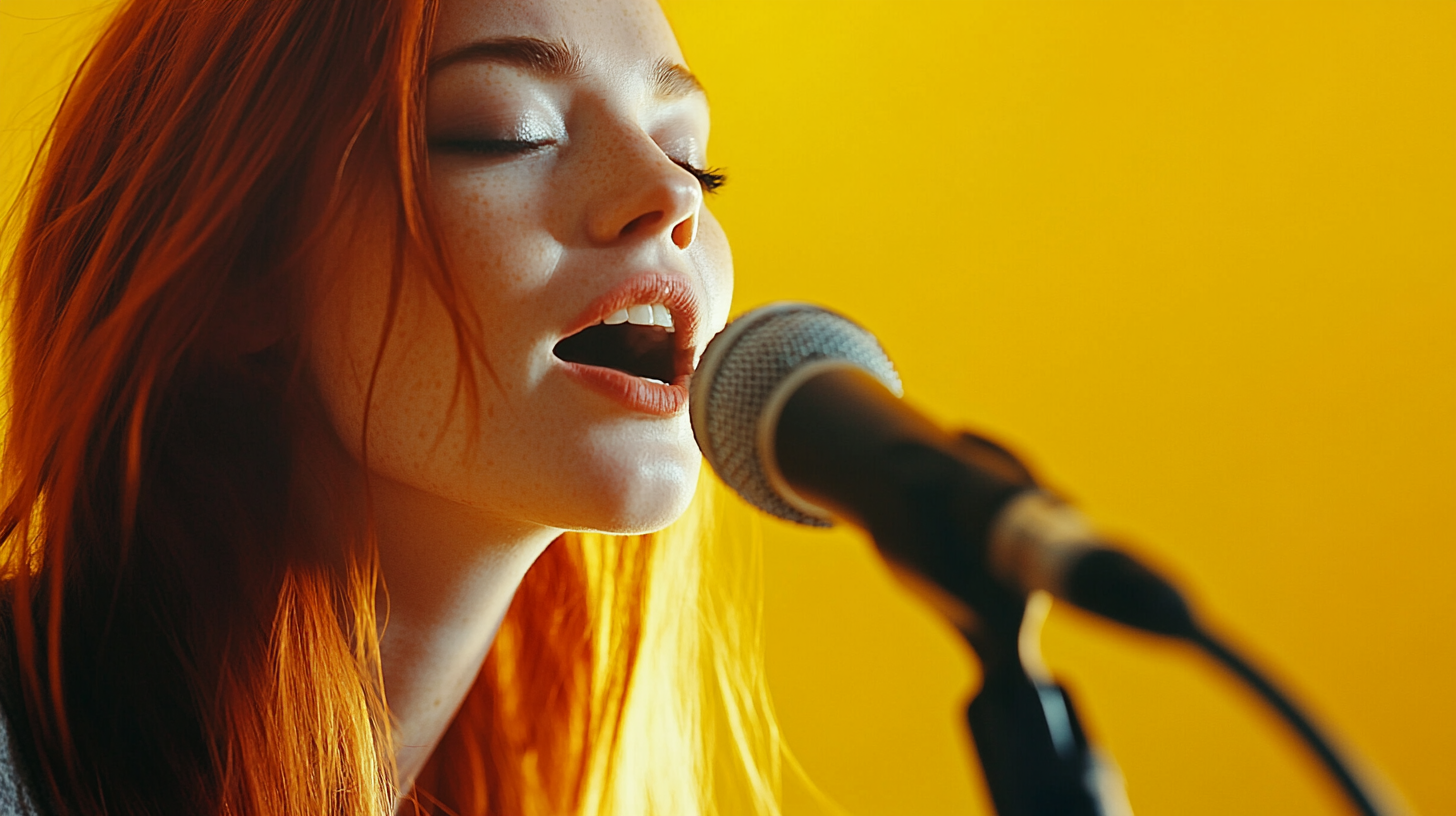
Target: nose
<point>649,194</point>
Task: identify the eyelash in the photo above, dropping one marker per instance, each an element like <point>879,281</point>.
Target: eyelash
<point>491,147</point>
<point>711,179</point>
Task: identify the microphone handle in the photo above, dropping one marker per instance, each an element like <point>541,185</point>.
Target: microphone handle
<point>847,447</point>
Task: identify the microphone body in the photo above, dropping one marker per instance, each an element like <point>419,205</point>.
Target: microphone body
<point>848,447</point>
<point>798,410</point>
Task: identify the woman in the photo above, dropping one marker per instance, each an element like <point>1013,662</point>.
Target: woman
<point>331,318</point>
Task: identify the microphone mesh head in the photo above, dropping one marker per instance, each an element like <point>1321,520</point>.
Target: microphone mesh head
<point>736,385</point>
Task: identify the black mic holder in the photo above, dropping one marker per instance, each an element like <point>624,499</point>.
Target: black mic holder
<point>1034,754</point>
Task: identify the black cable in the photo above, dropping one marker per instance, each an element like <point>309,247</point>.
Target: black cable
<point>1225,656</point>
<point>1113,584</point>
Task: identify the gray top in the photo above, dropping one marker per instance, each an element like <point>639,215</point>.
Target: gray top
<point>16,797</point>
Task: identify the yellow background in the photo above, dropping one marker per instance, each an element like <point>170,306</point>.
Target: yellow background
<point>1197,261</point>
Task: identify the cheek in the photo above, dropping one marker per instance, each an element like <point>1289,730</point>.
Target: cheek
<point>423,427</point>
<point>417,387</point>
<point>500,246</point>
<point>415,376</point>
<point>712,256</point>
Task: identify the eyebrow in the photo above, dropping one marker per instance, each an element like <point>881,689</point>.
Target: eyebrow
<point>672,81</point>
<point>560,60</point>
<point>556,60</point>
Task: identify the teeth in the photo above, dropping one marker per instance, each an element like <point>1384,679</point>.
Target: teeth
<point>642,314</point>
<point>639,315</point>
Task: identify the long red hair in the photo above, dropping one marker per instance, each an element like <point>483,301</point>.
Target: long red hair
<point>177,639</point>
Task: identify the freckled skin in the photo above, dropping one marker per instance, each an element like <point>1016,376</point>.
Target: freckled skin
<point>534,240</point>
<point>464,503</point>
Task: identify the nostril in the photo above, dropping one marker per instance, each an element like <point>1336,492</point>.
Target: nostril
<point>685,231</point>
<point>641,222</point>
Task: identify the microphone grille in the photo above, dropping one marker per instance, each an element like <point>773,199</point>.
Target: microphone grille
<point>741,384</point>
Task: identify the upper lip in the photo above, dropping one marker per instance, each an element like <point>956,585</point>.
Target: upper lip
<point>676,292</point>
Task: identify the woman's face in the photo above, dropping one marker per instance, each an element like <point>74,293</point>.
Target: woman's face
<point>565,144</point>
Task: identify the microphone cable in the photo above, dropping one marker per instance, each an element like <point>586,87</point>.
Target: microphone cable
<point>1112,584</point>
<point>1336,766</point>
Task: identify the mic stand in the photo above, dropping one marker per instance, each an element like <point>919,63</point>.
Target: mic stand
<point>1034,754</point>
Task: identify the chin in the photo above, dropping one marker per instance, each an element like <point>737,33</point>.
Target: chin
<point>649,500</point>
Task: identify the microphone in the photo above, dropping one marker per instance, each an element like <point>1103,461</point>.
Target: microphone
<point>798,410</point>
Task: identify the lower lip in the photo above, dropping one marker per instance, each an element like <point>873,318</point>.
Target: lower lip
<point>632,392</point>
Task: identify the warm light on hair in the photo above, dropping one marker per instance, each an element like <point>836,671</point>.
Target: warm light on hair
<point>615,705</point>
<point>176,639</point>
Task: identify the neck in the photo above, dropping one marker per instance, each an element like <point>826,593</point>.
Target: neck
<point>449,573</point>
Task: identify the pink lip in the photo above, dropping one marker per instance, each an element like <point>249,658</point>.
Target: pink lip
<point>636,393</point>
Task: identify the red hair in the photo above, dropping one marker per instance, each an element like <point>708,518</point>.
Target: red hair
<point>178,640</point>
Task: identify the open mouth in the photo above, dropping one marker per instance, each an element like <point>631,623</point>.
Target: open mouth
<point>639,341</point>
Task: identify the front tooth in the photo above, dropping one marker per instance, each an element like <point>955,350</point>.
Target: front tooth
<point>639,315</point>
<point>661,316</point>
<point>619,316</point>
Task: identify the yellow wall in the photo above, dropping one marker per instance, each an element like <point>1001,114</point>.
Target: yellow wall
<point>1196,260</point>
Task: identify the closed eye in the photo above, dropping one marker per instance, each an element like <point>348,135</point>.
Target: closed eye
<point>490,147</point>
<point>711,179</point>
